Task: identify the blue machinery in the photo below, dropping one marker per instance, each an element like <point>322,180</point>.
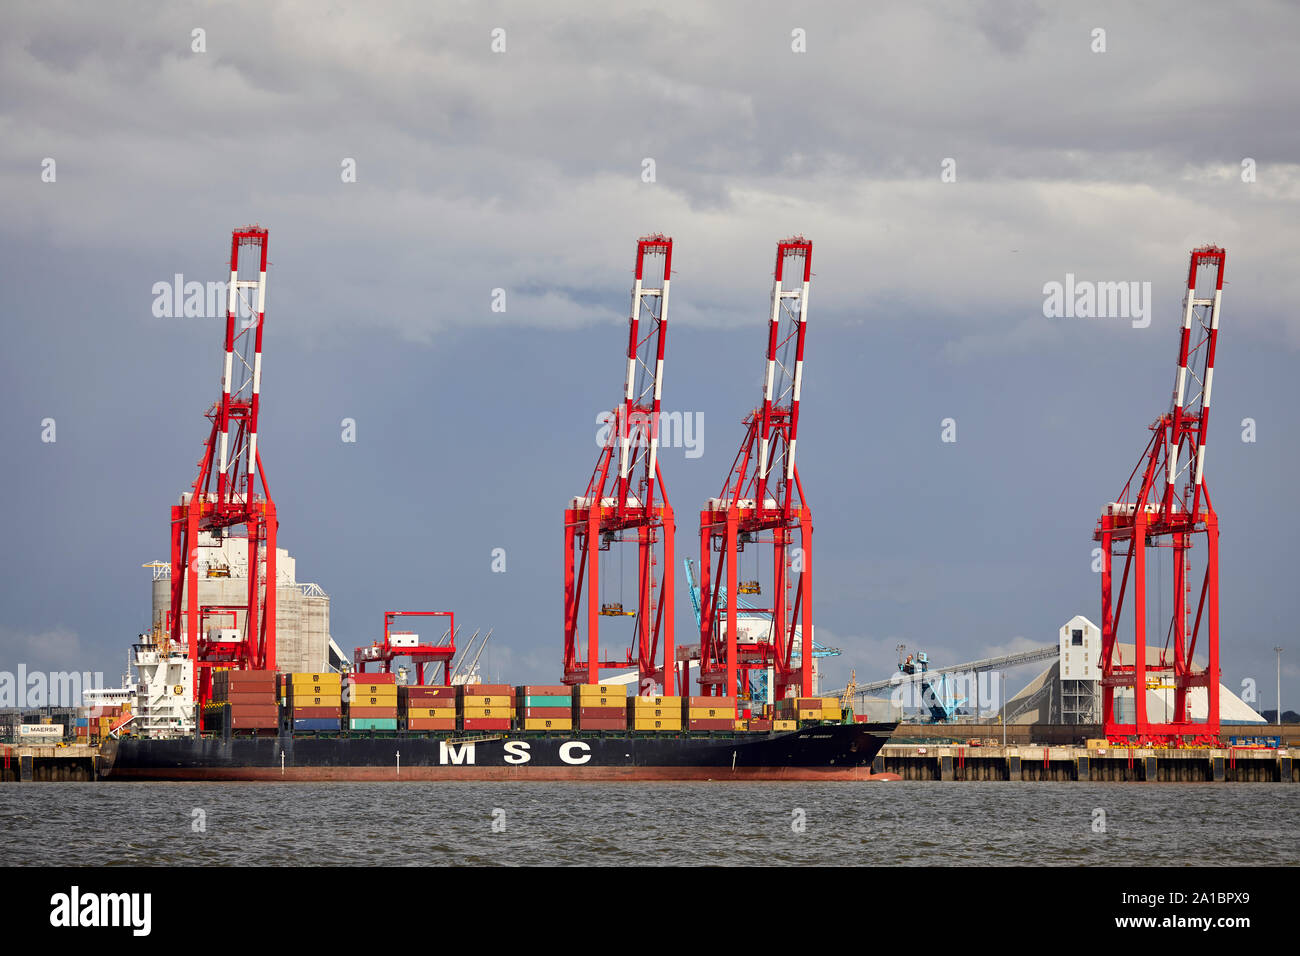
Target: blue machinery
<point>757,678</point>
<point>938,692</point>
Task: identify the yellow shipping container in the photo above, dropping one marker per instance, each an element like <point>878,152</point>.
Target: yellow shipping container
<point>548,723</point>
<point>497,712</point>
<point>711,713</point>
<point>372,690</point>
<point>671,703</point>
<point>434,713</point>
<point>808,714</point>
<point>640,723</point>
<point>601,690</point>
<point>742,725</point>
<point>499,700</point>
<point>313,700</point>
<point>785,725</point>
<point>648,713</point>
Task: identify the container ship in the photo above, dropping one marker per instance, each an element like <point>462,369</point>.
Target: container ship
<point>366,727</point>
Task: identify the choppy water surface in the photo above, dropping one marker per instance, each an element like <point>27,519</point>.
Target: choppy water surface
<point>665,823</point>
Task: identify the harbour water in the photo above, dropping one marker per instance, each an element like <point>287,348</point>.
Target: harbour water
<point>874,824</point>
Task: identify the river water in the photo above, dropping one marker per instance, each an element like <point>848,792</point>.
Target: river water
<point>875,824</point>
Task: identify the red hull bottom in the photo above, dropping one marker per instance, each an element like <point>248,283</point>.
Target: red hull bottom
<point>512,774</point>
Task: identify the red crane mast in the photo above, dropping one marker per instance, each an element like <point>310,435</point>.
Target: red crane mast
<point>1165,504</point>
<point>626,495</point>
<point>225,494</point>
<point>763,495</point>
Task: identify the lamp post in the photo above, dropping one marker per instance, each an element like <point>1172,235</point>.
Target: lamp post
<point>1279,684</point>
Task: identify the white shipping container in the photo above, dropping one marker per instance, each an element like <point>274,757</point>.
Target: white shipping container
<point>41,730</point>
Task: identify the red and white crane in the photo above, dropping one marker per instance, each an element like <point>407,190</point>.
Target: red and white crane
<point>1165,504</point>
<point>226,494</point>
<point>762,503</point>
<point>625,501</point>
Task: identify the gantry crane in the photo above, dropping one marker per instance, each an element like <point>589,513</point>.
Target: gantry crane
<point>1165,504</point>
<point>625,496</point>
<point>226,495</point>
<point>762,503</point>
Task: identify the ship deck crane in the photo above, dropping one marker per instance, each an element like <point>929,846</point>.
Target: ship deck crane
<point>1165,504</point>
<point>226,494</point>
<point>626,502</point>
<point>437,654</point>
<point>762,503</point>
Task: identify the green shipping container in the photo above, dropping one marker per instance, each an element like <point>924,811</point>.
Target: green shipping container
<point>374,723</point>
<point>547,700</point>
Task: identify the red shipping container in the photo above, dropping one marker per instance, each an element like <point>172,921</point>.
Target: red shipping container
<point>254,710</point>
<point>711,724</point>
<point>547,712</point>
<point>432,723</point>
<point>487,723</point>
<point>545,690</point>
<point>603,713</point>
<point>602,723</point>
<point>712,702</point>
<point>253,723</point>
<point>426,692</point>
<point>373,678</point>
<point>759,724</point>
<point>244,697</point>
<point>307,713</point>
<point>366,713</point>
<point>488,690</point>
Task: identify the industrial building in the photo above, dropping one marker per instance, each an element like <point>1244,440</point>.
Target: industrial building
<point>302,610</point>
<point>1068,691</point>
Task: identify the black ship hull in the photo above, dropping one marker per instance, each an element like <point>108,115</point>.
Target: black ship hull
<point>826,752</point>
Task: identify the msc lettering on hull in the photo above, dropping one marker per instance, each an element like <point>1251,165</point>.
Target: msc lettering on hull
<point>573,752</point>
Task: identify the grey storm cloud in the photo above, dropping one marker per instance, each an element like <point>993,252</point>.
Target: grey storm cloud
<point>522,171</point>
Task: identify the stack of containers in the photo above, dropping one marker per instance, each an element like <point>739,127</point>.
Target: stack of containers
<point>807,708</point>
<point>710,713</point>
<point>427,707</point>
<point>655,713</point>
<point>83,730</point>
<point>545,706</point>
<point>486,706</point>
<point>372,701</point>
<point>251,696</point>
<point>600,706</point>
<point>313,701</point>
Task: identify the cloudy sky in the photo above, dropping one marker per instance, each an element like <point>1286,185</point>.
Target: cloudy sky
<point>947,160</point>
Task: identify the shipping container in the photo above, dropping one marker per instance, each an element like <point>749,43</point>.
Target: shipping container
<point>360,713</point>
<point>602,723</point>
<point>785,725</point>
<point>255,710</point>
<point>253,723</point>
<point>548,723</point>
<point>373,723</point>
<point>373,679</point>
<point>711,713</point>
<point>544,712</point>
<point>546,700</point>
<point>487,690</point>
<point>492,700</point>
<point>488,712</point>
<point>656,703</point>
<point>651,712</point>
<point>672,723</point>
<point>600,690</point>
<point>486,723</point>
<point>307,700</point>
<point>603,713</point>
<point>314,712</point>
<point>432,713</point>
<point>715,724</point>
<point>544,690</point>
<point>366,701</point>
<point>431,723</point>
<point>315,724</point>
